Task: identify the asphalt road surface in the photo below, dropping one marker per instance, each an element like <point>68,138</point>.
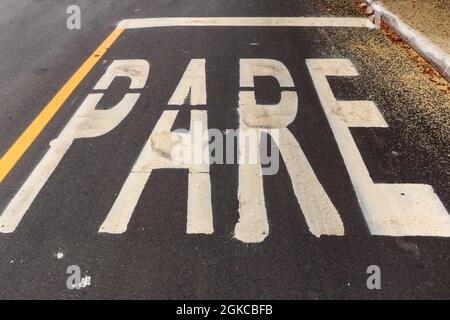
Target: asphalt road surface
<point>87,182</point>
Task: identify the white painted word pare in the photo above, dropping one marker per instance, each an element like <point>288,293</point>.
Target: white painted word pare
<point>389,209</point>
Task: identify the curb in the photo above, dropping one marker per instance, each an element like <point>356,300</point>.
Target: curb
<point>418,41</point>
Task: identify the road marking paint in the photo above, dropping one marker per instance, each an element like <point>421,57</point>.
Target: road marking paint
<point>120,214</point>
<point>200,213</point>
<point>136,70</point>
<point>193,81</point>
<point>320,214</point>
<point>253,224</point>
<point>389,209</point>
<point>158,154</point>
<point>247,22</point>
<point>20,146</point>
<point>87,122</point>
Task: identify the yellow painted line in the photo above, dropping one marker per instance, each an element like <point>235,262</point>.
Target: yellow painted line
<point>16,151</point>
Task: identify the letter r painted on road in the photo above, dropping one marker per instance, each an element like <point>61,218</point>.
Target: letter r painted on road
<point>320,214</point>
<point>87,122</point>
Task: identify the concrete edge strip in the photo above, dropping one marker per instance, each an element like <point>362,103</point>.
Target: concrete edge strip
<point>418,41</point>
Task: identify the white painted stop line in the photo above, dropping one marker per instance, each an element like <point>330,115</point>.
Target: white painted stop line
<point>247,22</point>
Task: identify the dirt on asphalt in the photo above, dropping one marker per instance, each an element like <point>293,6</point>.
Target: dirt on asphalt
<point>431,17</point>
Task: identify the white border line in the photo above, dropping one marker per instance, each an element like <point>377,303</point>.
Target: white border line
<point>247,22</point>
